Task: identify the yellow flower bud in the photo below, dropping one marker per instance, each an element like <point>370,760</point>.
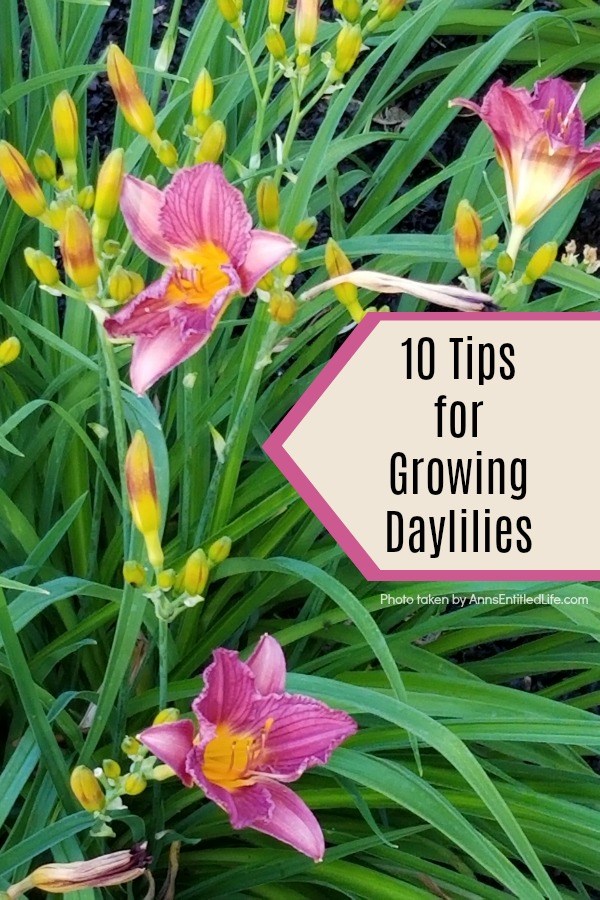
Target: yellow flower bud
<point>161,773</point>
<point>111,768</point>
<point>77,249</point>
<point>277,9</point>
<point>347,48</point>
<point>203,94</point>
<point>108,186</point>
<point>57,213</point>
<point>134,784</point>
<point>219,550</point>
<point>20,181</point>
<point>283,307</point>
<point>275,44</point>
<point>230,10</point>
<point>212,143</point>
<point>337,263</point>
<point>467,236</point>
<point>130,746</point>
<point>505,263</point>
<point>111,249</point>
<point>202,123</point>
<point>303,62</point>
<point>137,283</point>
<point>489,244</point>
<point>87,789</point>
<point>42,266</point>
<point>305,230</point>
<point>306,22</point>
<point>540,262</point>
<point>290,265</point>
<point>267,282</point>
<point>389,9</point>
<point>85,197</point>
<point>166,579</point>
<point>65,127</point>
<point>63,183</point>
<point>267,201</point>
<point>195,573</point>
<point>44,165</point>
<point>167,154</point>
<point>351,10</point>
<point>9,350</point>
<point>166,715</point>
<point>134,573</point>
<point>143,499</point>
<point>127,90</point>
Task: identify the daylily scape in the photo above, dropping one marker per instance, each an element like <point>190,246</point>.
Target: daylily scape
<point>252,738</point>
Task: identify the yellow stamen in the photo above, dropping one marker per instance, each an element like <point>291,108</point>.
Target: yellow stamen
<point>230,760</point>
<point>200,275</point>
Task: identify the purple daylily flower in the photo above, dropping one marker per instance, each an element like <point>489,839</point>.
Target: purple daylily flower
<point>539,139</point>
<point>253,737</point>
<point>200,228</point>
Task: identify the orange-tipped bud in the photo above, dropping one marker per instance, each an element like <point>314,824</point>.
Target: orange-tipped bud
<point>267,201</point>
<point>337,263</point>
<point>9,351</point>
<point>203,94</point>
<point>20,181</point>
<point>87,789</point>
<point>230,10</point>
<point>65,126</point>
<point>277,9</point>
<point>305,230</point>
<point>170,714</point>
<point>77,250</point>
<point>306,22</point>
<point>127,90</point>
<point>108,186</point>
<point>283,307</point>
<point>143,498</point>
<point>102,871</point>
<point>540,262</point>
<point>167,154</point>
<point>275,44</point>
<point>389,9</point>
<point>134,573</point>
<point>42,266</point>
<point>219,550</point>
<point>85,197</point>
<point>467,235</point>
<point>195,573</point>
<point>347,48</point>
<point>44,165</point>
<point>212,144</point>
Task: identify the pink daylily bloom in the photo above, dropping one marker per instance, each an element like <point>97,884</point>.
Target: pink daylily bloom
<point>252,738</point>
<point>539,139</point>
<point>200,228</point>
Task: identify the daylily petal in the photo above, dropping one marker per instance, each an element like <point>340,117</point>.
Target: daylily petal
<point>441,294</point>
<point>555,99</point>
<point>266,250</point>
<point>140,204</point>
<point>302,732</point>
<point>171,743</point>
<point>267,663</point>
<point>166,333</point>
<point>229,693</point>
<point>292,822</point>
<point>200,206</point>
<point>541,179</point>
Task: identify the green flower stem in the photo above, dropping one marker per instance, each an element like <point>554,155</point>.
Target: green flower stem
<point>163,662</point>
<point>216,504</point>
<point>241,36</point>
<point>99,480</point>
<point>118,410</point>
